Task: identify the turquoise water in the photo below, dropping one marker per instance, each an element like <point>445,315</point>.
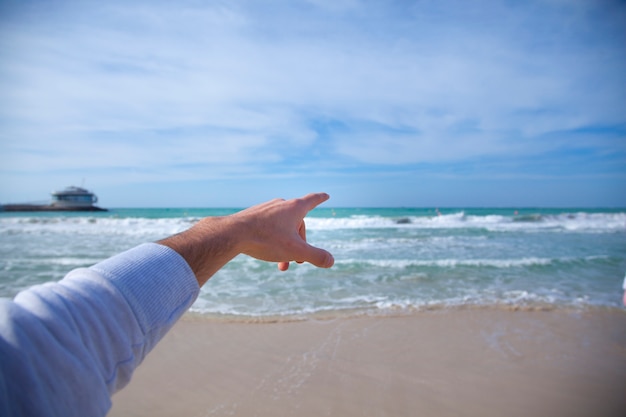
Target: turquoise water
<point>386,259</point>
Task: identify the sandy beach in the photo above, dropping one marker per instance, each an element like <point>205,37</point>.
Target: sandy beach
<point>462,362</point>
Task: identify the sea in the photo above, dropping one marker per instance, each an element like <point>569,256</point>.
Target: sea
<point>387,260</point>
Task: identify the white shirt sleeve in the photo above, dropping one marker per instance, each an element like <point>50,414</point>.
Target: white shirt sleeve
<point>66,347</point>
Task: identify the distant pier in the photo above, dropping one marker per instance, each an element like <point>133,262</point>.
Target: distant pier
<point>46,207</point>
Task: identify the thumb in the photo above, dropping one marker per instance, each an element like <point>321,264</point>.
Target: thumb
<point>316,256</point>
<point>313,255</point>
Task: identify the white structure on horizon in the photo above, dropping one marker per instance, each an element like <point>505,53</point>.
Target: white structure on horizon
<point>73,197</point>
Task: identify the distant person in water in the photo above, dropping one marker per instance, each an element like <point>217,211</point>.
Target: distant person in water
<point>66,347</point>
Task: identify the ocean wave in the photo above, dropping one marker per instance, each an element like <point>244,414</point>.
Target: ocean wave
<point>454,263</point>
<point>383,305</point>
<point>386,260</point>
<point>92,225</point>
<point>572,222</point>
<point>581,222</point>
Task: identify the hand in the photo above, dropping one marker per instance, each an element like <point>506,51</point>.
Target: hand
<point>277,232</point>
<point>272,231</point>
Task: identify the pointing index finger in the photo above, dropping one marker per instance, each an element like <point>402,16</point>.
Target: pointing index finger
<point>313,200</point>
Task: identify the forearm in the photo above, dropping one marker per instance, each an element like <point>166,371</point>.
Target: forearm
<point>207,246</point>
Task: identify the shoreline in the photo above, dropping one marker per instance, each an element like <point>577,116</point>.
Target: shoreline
<point>446,362</point>
<point>357,313</point>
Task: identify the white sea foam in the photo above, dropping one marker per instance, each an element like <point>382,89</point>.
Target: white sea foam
<point>93,226</point>
<point>453,263</point>
<point>383,261</point>
<point>583,222</point>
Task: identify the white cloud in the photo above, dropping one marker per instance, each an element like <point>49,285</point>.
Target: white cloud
<point>175,88</point>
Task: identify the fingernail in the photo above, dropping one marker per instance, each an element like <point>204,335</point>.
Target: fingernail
<point>330,261</point>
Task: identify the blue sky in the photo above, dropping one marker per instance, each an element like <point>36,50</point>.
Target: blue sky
<point>379,103</point>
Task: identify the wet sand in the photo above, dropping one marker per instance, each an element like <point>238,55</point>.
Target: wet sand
<point>466,362</point>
